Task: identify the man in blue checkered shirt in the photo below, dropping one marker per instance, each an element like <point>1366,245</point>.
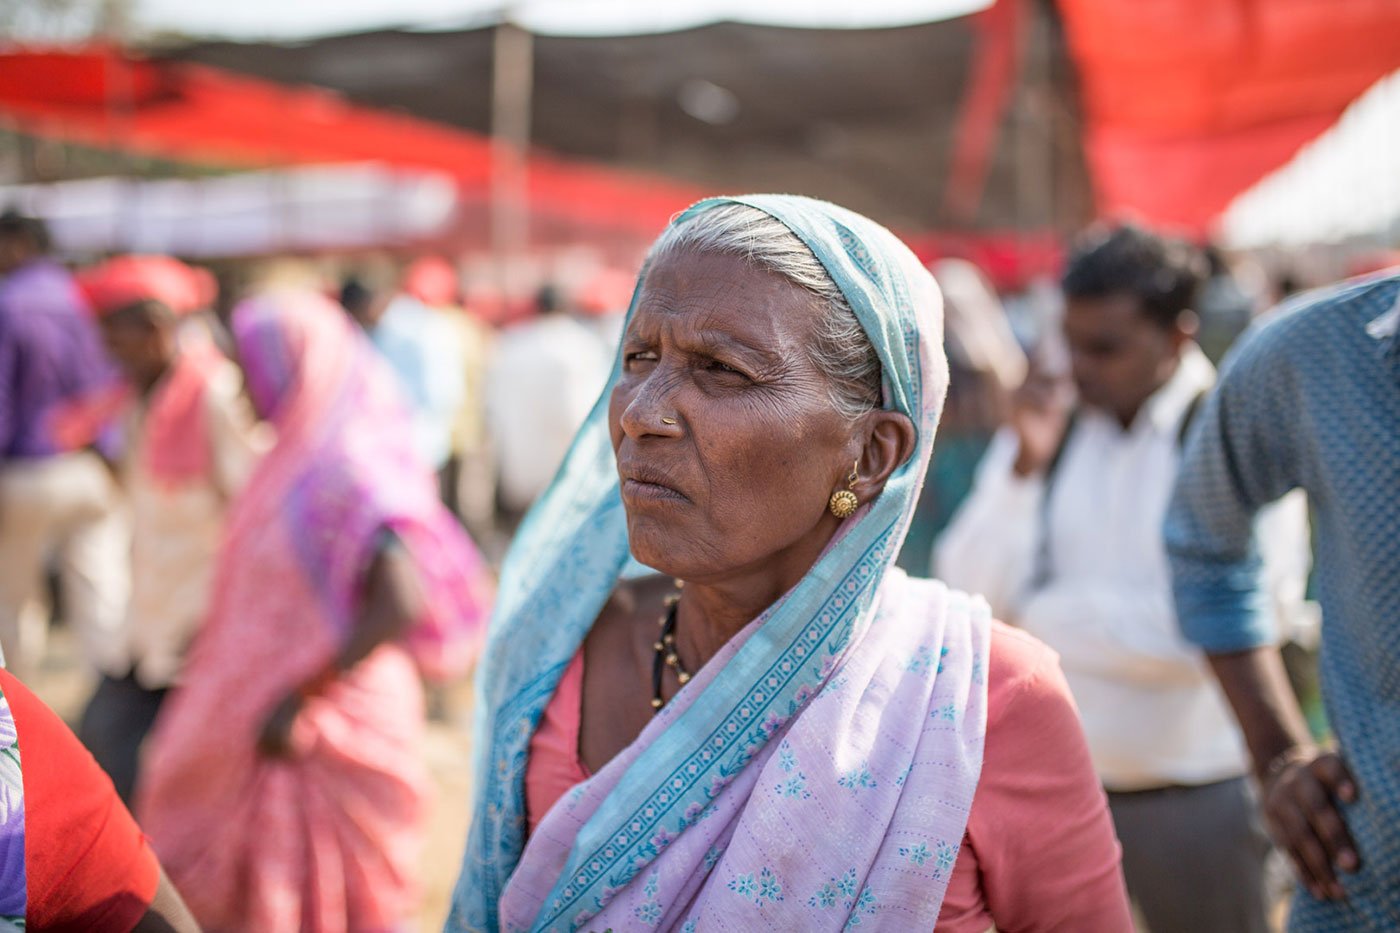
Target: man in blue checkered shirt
<point>1310,399</point>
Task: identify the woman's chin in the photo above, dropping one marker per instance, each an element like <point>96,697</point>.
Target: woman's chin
<point>655,545</point>
<point>657,559</point>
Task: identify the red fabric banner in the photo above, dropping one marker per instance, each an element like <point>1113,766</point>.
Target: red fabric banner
<point>195,113</point>
<point>1189,102</point>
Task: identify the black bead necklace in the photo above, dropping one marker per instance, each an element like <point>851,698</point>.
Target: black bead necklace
<point>665,648</point>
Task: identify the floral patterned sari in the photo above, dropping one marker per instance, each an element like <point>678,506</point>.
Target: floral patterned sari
<point>818,772</point>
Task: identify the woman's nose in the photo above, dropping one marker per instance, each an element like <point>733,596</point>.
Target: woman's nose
<point>651,410</point>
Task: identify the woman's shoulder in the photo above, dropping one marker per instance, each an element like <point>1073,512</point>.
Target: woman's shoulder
<point>1018,661</point>
<point>1021,668</point>
<point>1017,653</point>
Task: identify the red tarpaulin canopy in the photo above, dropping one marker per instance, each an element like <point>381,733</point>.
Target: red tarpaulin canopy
<point>1190,102</point>
<point>194,113</point>
<point>1187,103</point>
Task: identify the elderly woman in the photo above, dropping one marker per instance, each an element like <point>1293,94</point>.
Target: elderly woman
<point>802,738</point>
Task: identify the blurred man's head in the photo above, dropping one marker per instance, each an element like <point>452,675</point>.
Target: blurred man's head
<point>141,338</point>
<point>550,300</point>
<point>358,301</point>
<point>22,238</point>
<point>367,293</point>
<point>1128,314</point>
<point>139,301</point>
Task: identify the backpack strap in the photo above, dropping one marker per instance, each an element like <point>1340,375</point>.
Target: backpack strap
<point>1193,409</point>
<point>1041,574</point>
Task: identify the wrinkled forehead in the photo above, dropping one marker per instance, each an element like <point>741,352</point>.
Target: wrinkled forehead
<point>702,292</point>
<point>892,295</point>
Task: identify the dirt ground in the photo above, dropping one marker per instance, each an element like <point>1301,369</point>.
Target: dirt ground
<point>65,686</point>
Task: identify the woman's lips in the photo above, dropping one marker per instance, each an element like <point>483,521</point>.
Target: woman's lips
<point>641,490</point>
<point>644,482</point>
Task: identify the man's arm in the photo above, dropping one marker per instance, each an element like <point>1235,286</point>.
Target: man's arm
<point>1300,781</point>
<point>991,545</point>
<point>393,601</point>
<point>1243,456</point>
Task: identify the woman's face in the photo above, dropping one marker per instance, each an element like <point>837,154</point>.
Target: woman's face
<point>739,483</point>
<point>264,352</point>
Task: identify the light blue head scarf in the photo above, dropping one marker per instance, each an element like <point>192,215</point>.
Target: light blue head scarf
<point>569,553</point>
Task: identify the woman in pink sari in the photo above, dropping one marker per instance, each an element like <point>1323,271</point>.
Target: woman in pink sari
<point>284,788</point>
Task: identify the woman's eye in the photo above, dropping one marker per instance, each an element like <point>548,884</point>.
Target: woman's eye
<point>640,356</point>
<point>717,366</point>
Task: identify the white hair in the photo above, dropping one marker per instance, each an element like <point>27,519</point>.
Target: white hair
<point>840,349</point>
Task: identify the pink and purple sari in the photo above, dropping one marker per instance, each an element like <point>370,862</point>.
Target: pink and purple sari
<point>327,839</point>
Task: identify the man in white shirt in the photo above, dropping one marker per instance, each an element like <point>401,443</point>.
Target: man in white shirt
<point>1063,534</point>
<point>190,443</point>
<point>543,381</point>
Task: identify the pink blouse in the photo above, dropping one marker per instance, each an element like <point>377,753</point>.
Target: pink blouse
<point>554,766</point>
<point>1040,852</point>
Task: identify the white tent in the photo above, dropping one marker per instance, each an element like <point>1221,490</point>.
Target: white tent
<point>307,18</point>
<point>255,213</point>
<point>1345,185</point>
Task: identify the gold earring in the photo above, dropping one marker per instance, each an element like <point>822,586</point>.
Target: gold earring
<point>844,503</point>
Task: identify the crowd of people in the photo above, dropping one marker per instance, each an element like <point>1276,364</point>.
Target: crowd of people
<point>822,589</point>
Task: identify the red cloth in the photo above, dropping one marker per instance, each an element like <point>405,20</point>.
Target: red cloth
<point>1040,851</point>
<point>1189,102</point>
<point>176,441</point>
<point>1000,31</point>
<point>194,113</point>
<point>79,421</point>
<point>126,280</point>
<point>88,865</point>
<point>607,292</point>
<point>432,280</point>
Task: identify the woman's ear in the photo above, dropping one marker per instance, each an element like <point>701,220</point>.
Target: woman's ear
<point>889,441</point>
